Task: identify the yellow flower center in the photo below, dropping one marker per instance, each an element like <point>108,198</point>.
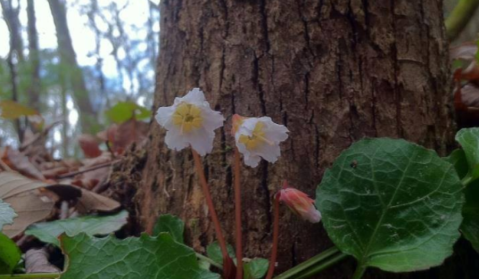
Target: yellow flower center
<point>256,139</point>
<point>187,117</point>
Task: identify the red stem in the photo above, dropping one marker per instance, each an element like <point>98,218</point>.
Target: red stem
<point>209,202</point>
<point>274,251</point>
<point>239,236</point>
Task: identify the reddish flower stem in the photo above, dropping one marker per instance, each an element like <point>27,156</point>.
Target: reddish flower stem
<point>239,236</point>
<point>209,202</point>
<point>274,250</point>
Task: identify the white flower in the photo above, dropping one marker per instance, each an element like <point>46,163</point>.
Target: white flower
<point>258,138</point>
<point>190,121</point>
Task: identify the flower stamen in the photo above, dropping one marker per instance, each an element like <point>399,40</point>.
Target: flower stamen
<point>256,138</point>
<point>187,117</point>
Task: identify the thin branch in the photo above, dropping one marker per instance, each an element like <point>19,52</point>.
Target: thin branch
<point>99,166</point>
<point>459,17</point>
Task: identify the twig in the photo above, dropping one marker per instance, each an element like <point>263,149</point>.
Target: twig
<point>459,17</point>
<point>99,166</point>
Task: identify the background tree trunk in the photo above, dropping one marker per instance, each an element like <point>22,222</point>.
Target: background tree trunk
<point>333,72</point>
<point>72,71</point>
<point>15,57</point>
<point>34,58</point>
<point>11,12</point>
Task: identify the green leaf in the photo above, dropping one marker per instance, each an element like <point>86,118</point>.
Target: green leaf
<point>143,113</point>
<point>170,224</point>
<point>477,52</point>
<point>469,140</point>
<point>124,111</point>
<point>213,251</point>
<point>90,225</point>
<point>470,212</point>
<point>131,258</point>
<point>10,255</point>
<point>459,161</point>
<point>392,205</point>
<point>13,110</point>
<point>256,268</point>
<point>457,64</point>
<point>6,214</point>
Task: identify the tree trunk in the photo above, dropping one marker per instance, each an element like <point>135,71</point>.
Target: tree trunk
<point>11,15</point>
<point>34,58</point>
<point>72,71</point>
<point>15,55</point>
<point>333,72</point>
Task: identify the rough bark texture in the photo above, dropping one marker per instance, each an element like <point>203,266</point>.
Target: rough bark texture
<point>333,72</point>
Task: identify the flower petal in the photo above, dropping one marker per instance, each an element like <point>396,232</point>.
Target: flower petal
<point>263,140</point>
<point>164,114</point>
<point>201,140</point>
<point>313,216</point>
<point>273,131</point>
<point>212,119</point>
<point>174,140</point>
<point>252,160</point>
<point>270,153</point>
<point>195,96</point>
<point>300,204</point>
<point>192,125</point>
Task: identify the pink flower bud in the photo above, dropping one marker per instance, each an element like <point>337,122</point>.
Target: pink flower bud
<point>237,122</point>
<point>299,203</point>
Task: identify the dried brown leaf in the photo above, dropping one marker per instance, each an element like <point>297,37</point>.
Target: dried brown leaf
<point>465,51</point>
<point>31,207</point>
<point>470,95</point>
<point>119,137</point>
<point>33,202</point>
<point>89,145</point>
<point>131,131</point>
<point>36,261</point>
<point>91,178</point>
<point>19,162</point>
<point>12,184</point>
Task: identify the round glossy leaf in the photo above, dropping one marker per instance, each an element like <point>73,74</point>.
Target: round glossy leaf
<point>392,204</point>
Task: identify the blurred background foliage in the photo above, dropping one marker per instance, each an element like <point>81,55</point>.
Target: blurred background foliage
<point>79,64</point>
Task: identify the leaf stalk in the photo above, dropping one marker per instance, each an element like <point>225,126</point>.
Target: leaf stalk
<point>238,227</point>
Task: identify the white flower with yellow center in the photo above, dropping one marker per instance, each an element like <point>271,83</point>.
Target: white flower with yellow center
<point>190,121</point>
<point>258,138</point>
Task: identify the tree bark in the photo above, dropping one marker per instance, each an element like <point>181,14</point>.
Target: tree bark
<point>333,72</point>
<point>34,58</point>
<point>15,55</point>
<point>11,15</point>
<point>73,73</point>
